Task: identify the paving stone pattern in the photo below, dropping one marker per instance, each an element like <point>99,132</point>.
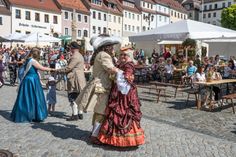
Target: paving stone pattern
<point>172,129</point>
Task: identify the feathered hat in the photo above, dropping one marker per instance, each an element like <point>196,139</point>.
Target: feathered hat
<point>104,40</point>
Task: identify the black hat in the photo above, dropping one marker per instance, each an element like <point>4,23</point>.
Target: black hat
<point>74,45</point>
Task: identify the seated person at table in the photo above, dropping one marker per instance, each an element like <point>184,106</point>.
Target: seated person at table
<point>169,69</point>
<point>229,70</point>
<point>154,69</point>
<point>215,76</point>
<point>161,69</point>
<point>190,71</point>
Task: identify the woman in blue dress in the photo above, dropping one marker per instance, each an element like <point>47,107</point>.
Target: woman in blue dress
<point>30,103</point>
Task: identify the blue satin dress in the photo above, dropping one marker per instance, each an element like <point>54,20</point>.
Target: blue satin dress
<point>30,103</point>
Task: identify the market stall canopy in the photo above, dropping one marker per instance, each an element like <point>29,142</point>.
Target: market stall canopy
<point>182,30</point>
<point>15,37</point>
<point>37,37</point>
<point>2,39</point>
<point>65,37</point>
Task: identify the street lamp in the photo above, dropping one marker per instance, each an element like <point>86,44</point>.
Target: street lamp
<point>149,18</point>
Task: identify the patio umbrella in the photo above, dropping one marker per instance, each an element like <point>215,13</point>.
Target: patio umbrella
<point>2,39</point>
<point>38,37</point>
<point>15,37</point>
<point>184,29</point>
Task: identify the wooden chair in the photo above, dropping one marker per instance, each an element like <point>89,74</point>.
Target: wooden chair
<point>192,92</point>
<point>229,97</point>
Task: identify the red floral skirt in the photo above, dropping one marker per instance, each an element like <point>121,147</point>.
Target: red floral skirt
<point>134,137</point>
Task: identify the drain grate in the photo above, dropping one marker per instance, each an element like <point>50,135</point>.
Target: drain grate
<point>5,153</point>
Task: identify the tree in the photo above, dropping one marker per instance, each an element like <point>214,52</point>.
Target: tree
<point>228,17</point>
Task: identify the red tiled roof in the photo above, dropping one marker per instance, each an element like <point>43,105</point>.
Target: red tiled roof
<point>73,4</point>
<point>4,11</point>
<point>47,5</point>
<point>210,1</point>
<point>149,1</point>
<point>175,5</point>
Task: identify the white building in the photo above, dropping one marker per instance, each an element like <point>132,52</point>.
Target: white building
<point>132,18</point>
<point>212,10</point>
<point>35,17</point>
<point>5,18</point>
<point>162,13</point>
<point>149,18</point>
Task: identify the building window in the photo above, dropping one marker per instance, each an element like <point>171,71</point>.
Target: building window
<point>18,31</point>
<point>204,16</point>
<point>178,15</point>
<point>119,20</point>
<point>46,18</point>
<point>175,14</point>
<point>129,28</point>
<point>209,15</point>
<point>109,18</point>
<point>27,15</point>
<point>86,19</point>
<point>18,13</point>
<point>214,14</point>
<point>164,10</point>
<point>160,18</point>
<point>138,17</point>
<point>210,7</point>
<point>171,12</point>
<point>99,30</point>
<point>99,16</point>
<point>137,28</point>
<point>129,15</point>
<point>205,7</point>
<point>79,33</point>
<point>133,28</point>
<point>143,4</point>
<point>216,6</point>
<point>125,27</point>
<point>190,15</point>
<point>105,17</point>
<point>72,16</point>
<point>94,29</point>
<point>66,15</point>
<point>0,20</point>
<point>144,28</point>
<point>133,16</point>
<point>104,30</point>
<point>223,5</point>
<point>114,19</point>
<point>181,16</point>
<point>159,8</point>
<point>37,17</point>
<point>55,20</point>
<point>94,14</point>
<point>229,4</point>
<point>27,32</point>
<point>79,19</point>
<point>151,6</point>
<point>85,33</point>
<point>147,5</point>
<point>125,14</point>
<point>66,31</point>
<point>98,2</point>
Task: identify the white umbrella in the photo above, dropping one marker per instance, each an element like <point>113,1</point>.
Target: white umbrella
<point>37,37</point>
<point>184,29</point>
<point>15,37</point>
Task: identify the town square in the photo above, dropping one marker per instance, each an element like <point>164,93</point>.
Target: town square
<point>104,78</point>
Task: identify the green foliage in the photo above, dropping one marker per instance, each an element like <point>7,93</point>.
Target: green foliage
<point>228,17</point>
<point>189,43</point>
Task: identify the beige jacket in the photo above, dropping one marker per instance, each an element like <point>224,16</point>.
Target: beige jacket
<point>75,73</point>
<point>102,64</point>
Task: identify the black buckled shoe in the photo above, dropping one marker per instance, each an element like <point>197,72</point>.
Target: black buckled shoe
<point>73,118</point>
<point>80,116</point>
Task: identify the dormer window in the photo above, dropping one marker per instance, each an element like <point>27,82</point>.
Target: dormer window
<point>97,2</point>
<point>111,5</point>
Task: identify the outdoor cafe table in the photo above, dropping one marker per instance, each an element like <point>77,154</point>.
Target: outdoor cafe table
<point>211,84</point>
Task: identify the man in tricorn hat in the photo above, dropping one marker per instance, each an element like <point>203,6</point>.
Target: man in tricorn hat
<point>76,79</point>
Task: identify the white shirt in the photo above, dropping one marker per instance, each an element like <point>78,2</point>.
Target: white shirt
<point>200,77</point>
<point>169,68</point>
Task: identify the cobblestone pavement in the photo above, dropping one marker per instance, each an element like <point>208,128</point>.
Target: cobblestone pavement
<point>172,130</point>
